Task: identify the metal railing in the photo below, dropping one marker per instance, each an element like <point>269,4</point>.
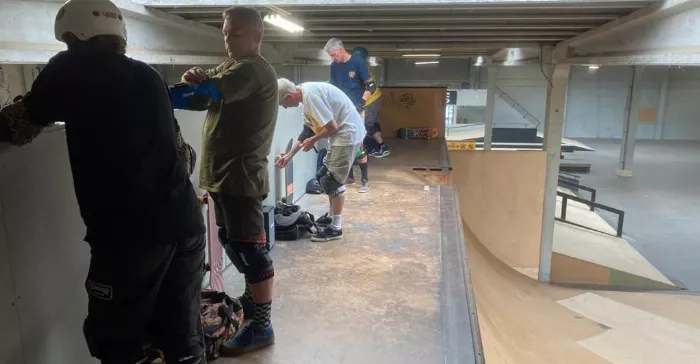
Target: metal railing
<point>519,108</point>
<point>574,185</point>
<point>565,197</point>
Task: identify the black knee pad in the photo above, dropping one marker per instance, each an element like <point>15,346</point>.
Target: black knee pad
<point>372,129</point>
<point>330,186</point>
<point>321,172</point>
<point>252,260</point>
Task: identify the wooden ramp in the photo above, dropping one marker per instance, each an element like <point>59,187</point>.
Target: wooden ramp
<point>598,258</point>
<point>501,200</point>
<point>523,321</point>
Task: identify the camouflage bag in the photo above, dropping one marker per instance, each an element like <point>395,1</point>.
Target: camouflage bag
<point>222,317</point>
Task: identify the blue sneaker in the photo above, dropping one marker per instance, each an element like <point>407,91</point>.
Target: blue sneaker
<point>253,337</point>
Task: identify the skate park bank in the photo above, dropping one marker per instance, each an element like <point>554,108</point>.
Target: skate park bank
<point>475,246</point>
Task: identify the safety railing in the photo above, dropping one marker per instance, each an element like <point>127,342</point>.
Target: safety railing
<point>519,108</point>
<point>573,184</point>
<point>565,197</point>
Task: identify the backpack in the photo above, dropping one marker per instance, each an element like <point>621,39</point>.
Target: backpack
<point>292,223</point>
<point>222,317</point>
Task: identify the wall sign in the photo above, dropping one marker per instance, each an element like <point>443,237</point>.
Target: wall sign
<point>451,98</point>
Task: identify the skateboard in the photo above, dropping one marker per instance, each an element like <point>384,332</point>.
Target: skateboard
<point>289,175</point>
<point>417,133</point>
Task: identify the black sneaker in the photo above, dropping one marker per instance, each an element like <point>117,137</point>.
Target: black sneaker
<point>328,234</point>
<point>324,220</point>
<point>382,152</point>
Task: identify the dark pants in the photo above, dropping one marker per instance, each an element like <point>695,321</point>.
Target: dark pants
<point>372,110</point>
<point>148,294</point>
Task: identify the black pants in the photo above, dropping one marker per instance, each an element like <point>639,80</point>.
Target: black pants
<point>141,295</point>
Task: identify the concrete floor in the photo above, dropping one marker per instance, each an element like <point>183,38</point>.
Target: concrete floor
<point>390,291</point>
<point>661,202</point>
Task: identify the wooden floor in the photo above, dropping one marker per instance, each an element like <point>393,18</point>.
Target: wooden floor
<point>523,321</point>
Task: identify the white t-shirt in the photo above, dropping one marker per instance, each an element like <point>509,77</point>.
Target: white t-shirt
<point>324,102</point>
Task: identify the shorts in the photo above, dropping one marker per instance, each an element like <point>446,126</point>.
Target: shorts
<point>339,161</point>
<point>239,218</point>
<point>145,295</point>
<point>372,116</point>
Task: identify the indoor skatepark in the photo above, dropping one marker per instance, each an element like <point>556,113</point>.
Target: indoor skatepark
<point>441,260</point>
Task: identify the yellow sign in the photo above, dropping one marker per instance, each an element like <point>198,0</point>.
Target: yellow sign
<point>461,145</point>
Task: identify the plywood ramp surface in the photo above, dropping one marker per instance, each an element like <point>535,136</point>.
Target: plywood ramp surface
<point>523,321</point>
<point>604,250</point>
<point>500,197</point>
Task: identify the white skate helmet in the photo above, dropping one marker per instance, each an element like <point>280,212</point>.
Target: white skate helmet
<point>88,18</point>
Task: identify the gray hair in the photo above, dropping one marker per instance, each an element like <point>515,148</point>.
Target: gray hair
<point>333,43</point>
<point>284,88</point>
<point>250,16</point>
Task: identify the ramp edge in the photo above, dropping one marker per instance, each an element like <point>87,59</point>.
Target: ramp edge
<point>459,326</point>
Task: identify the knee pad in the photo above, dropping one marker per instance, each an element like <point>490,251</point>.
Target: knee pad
<point>330,186</point>
<point>321,172</point>
<point>252,260</point>
<point>372,129</point>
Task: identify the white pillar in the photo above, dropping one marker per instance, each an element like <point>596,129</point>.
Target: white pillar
<point>553,128</point>
<point>629,129</point>
<point>661,110</point>
<point>490,103</point>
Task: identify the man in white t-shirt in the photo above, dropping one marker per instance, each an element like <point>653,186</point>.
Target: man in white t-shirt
<point>328,113</point>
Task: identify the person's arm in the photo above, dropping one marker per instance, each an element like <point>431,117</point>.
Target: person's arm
<point>237,83</point>
<point>22,121</point>
<point>366,77</point>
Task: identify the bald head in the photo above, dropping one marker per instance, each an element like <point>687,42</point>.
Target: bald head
<point>243,31</point>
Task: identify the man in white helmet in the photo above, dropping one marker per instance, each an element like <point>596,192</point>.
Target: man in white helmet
<point>144,224</point>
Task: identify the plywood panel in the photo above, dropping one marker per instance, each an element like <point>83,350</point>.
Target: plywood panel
<point>571,270</point>
<point>500,195</point>
<point>412,108</point>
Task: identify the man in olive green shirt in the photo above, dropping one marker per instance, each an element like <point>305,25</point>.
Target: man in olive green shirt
<point>236,140</point>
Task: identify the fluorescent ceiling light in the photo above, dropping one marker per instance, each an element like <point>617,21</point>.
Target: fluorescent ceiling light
<point>282,23</point>
<point>419,55</point>
<point>427,62</point>
<point>593,67</point>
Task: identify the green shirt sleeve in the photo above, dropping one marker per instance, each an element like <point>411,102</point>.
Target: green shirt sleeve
<point>238,82</point>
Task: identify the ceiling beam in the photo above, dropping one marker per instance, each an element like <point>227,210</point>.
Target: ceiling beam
<point>461,18</point>
<point>428,25</point>
<point>342,35</point>
<point>418,40</point>
<point>329,8</point>
<point>283,3</point>
<point>659,9</point>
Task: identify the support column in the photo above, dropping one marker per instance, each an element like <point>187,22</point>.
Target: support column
<point>629,131</point>
<point>490,103</point>
<point>553,129</point>
<point>661,110</point>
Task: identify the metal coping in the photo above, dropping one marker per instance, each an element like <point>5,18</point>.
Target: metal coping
<point>460,324</point>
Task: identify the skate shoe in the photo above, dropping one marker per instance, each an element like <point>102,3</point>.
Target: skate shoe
<point>253,337</point>
<point>328,234</point>
<point>324,220</point>
<point>365,187</point>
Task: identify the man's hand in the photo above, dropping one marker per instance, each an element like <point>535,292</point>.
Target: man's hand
<point>194,75</point>
<point>281,160</point>
<point>308,144</point>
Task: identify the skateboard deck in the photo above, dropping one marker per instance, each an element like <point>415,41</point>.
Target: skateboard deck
<point>289,175</point>
<point>417,133</point>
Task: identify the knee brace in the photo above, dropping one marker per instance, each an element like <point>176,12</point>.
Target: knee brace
<point>321,172</point>
<point>330,186</point>
<point>372,128</point>
<point>252,260</point>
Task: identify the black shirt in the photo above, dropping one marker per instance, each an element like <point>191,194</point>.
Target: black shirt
<point>129,181</point>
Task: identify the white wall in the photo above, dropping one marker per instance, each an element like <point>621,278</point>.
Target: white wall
<point>43,260</point>
<point>597,99</point>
